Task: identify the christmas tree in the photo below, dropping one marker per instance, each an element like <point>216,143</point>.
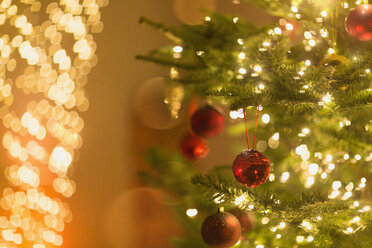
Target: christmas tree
<point>306,81</point>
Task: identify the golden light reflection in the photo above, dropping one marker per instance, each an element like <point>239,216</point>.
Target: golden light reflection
<point>43,134</point>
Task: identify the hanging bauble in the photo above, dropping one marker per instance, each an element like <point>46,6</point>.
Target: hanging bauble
<point>245,218</point>
<point>221,230</point>
<point>207,122</point>
<point>152,104</point>
<point>194,147</point>
<point>359,22</point>
<point>251,168</point>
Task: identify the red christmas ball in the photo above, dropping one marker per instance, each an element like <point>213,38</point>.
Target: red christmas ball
<point>251,168</point>
<point>245,218</point>
<point>359,22</point>
<point>207,122</point>
<point>194,147</point>
<point>221,230</point>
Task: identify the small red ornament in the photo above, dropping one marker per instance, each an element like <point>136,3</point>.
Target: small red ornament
<point>221,230</point>
<point>194,147</point>
<point>251,168</point>
<point>358,22</point>
<point>207,122</point>
<point>245,218</point>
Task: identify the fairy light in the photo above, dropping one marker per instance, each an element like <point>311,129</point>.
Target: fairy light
<point>45,136</point>
<point>265,118</point>
<point>242,71</point>
<point>177,49</point>
<point>336,185</point>
<point>289,26</point>
<point>271,177</point>
<point>300,239</point>
<point>308,35</point>
<point>260,246</point>
<point>313,169</point>
<point>235,19</point>
<point>346,156</point>
<point>309,182</point>
<point>240,41</point>
<point>334,194</point>
<point>192,212</point>
<point>241,56</point>
<point>266,43</point>
<point>310,238</point>
<point>329,158</point>
<point>237,114</point>
<point>331,166</point>
<point>239,200</point>
<point>346,195</point>
<point>331,50</point>
<point>327,98</point>
<point>276,136</point>
<point>324,33</point>
<point>257,68</point>
<point>312,43</point>
<point>323,13</point>
<point>323,175</point>
<point>307,62</point>
<point>355,219</point>
<point>356,204</point>
<point>265,220</point>
<point>307,225</point>
<point>285,176</point>
<point>281,225</point>
<point>366,208</point>
<point>306,130</point>
<point>207,19</point>
<point>349,230</point>
<point>294,9</point>
<point>278,236</point>
<point>277,30</point>
<point>358,157</point>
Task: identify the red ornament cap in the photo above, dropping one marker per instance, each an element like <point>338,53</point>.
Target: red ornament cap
<point>358,22</point>
<point>207,122</point>
<point>251,168</point>
<point>194,147</point>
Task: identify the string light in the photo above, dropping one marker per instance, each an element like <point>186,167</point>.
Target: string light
<point>265,118</point>
<point>285,176</point>
<point>44,137</point>
<point>192,212</point>
<point>177,49</point>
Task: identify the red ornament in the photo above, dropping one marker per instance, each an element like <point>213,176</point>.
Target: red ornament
<point>251,168</point>
<point>194,147</point>
<point>221,230</point>
<point>207,122</point>
<point>245,218</point>
<point>359,22</point>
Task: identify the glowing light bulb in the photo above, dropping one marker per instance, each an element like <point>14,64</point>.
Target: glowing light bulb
<point>265,118</point>
<point>242,71</point>
<point>191,212</point>
<point>336,185</point>
<point>285,176</point>
<point>177,49</point>
<point>277,31</point>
